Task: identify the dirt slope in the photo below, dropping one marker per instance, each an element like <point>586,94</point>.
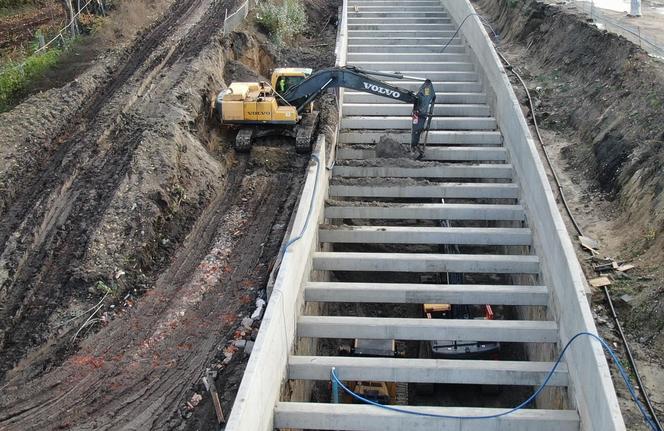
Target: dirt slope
<point>618,109</point>
<point>118,190</point>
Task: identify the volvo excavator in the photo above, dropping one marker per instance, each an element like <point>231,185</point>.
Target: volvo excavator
<point>284,107</point>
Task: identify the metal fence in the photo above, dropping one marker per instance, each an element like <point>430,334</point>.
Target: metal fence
<point>648,40</point>
<point>233,21</point>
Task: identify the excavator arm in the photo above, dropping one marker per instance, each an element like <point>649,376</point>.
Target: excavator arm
<point>357,79</point>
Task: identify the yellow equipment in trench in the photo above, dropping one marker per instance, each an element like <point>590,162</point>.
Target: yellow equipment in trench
<point>283,107</point>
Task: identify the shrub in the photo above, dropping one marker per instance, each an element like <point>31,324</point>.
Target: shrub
<point>282,21</point>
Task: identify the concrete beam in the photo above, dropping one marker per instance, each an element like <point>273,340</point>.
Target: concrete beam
<point>402,26</point>
<point>442,190</point>
<point>391,14</point>
<point>469,154</point>
<point>404,43</point>
<point>399,7</point>
<point>356,417</point>
<point>402,293</point>
<point>469,372</point>
<point>447,170</point>
<point>444,98</point>
<point>394,122</point>
<point>387,328</point>
<point>407,33</point>
<point>400,20</point>
<point>425,262</point>
<point>445,137</point>
<point>427,212</point>
<point>393,3</point>
<point>394,109</point>
<point>421,67</point>
<point>367,46</point>
<point>440,86</point>
<point>425,235</point>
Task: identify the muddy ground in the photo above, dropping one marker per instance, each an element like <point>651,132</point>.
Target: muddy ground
<point>134,241</point>
<point>600,102</point>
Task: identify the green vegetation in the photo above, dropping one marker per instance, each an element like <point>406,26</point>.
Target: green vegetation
<point>15,78</point>
<point>282,21</point>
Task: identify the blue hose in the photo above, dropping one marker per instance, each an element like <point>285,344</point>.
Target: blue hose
<point>530,399</point>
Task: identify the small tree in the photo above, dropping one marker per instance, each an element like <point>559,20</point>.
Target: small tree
<point>282,21</point>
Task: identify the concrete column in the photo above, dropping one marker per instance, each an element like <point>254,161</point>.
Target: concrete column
<point>635,9</point>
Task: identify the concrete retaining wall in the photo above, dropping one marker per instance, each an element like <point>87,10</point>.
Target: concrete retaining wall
<point>592,388</point>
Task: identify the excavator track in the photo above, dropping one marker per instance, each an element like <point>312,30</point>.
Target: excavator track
<point>243,140</point>
<point>304,133</point>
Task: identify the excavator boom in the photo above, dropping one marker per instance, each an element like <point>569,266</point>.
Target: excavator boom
<point>361,80</point>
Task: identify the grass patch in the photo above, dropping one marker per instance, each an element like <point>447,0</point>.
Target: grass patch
<point>282,21</point>
<point>14,79</point>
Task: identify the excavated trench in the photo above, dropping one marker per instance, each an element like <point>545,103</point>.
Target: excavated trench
<point>425,395</point>
<point>128,198</point>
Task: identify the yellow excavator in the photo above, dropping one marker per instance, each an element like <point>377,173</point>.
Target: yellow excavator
<point>283,107</point>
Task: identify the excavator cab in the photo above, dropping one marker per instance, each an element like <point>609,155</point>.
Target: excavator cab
<point>285,78</point>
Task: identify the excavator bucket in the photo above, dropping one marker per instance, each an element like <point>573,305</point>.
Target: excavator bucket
<point>422,114</point>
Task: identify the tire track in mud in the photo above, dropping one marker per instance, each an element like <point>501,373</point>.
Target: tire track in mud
<point>63,201</point>
<point>137,372</point>
<point>54,166</point>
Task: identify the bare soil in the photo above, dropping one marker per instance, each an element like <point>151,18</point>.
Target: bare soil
<point>133,240</point>
<point>19,28</point>
<point>598,99</point>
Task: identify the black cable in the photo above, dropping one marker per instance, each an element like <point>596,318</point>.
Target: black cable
<point>632,362</point>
